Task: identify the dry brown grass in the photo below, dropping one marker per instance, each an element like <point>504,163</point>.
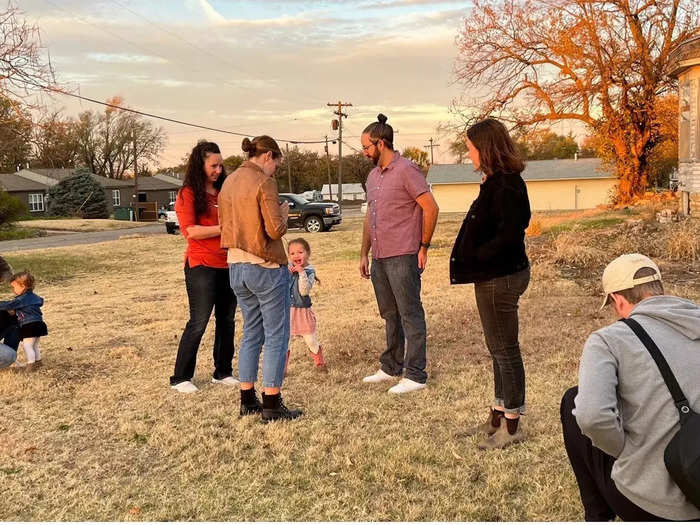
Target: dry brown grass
<point>98,435</point>
<point>80,225</point>
<point>683,241</point>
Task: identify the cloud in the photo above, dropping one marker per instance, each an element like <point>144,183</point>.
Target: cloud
<point>124,58</point>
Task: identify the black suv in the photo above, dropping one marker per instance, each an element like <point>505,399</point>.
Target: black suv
<point>312,216</point>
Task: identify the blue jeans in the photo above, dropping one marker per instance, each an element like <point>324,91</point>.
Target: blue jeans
<point>7,356</point>
<point>397,283</point>
<point>264,297</point>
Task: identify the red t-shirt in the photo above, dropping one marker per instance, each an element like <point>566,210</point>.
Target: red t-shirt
<point>207,252</point>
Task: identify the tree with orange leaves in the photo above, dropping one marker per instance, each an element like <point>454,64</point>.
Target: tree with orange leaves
<point>600,62</point>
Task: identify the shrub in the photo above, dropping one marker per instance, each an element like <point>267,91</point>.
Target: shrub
<point>79,195</point>
<point>572,248</point>
<point>11,208</point>
<point>683,241</point>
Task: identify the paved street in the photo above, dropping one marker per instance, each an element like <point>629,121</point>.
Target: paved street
<point>71,239</point>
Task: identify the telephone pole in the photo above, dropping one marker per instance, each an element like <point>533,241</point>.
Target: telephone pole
<point>340,105</point>
<point>431,146</point>
<point>136,176</point>
<point>328,165</point>
<point>289,170</point>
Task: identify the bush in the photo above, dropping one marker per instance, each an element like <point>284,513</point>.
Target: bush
<point>78,196</point>
<point>683,241</point>
<point>11,208</point>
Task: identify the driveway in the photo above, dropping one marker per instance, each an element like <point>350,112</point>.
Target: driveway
<point>71,239</point>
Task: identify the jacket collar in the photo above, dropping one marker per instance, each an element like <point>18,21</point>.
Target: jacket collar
<point>251,165</point>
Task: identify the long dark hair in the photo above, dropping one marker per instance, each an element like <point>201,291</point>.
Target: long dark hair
<point>380,130</point>
<point>497,151</point>
<point>261,145</point>
<point>196,179</point>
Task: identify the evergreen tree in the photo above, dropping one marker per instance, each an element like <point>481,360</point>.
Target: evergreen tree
<point>79,195</point>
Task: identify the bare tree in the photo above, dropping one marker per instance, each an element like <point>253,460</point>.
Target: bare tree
<point>109,141</point>
<point>601,62</point>
<point>55,141</point>
<point>24,69</point>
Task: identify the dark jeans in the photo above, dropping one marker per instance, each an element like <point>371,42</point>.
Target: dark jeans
<point>397,282</point>
<point>497,301</point>
<point>600,498</point>
<point>207,288</point>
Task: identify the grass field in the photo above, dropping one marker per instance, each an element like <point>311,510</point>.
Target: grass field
<point>80,225</point>
<point>97,434</point>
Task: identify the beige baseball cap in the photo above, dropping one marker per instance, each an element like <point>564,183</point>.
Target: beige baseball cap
<point>619,274</point>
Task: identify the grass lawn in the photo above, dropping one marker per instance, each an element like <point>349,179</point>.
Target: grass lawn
<point>80,225</point>
<point>97,434</point>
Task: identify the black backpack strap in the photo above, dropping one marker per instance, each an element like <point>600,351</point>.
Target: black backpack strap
<point>678,397</point>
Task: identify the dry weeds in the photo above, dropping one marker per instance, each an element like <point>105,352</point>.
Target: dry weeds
<point>80,225</point>
<point>97,434</point>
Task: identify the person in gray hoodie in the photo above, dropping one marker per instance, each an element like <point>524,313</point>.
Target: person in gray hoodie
<point>620,418</point>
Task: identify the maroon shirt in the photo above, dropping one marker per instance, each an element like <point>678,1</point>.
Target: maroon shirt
<point>395,218</point>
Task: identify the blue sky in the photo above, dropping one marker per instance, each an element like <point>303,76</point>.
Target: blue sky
<point>260,67</point>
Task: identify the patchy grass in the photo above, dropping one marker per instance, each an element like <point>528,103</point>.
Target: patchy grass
<point>80,225</point>
<point>12,233</point>
<point>97,434</point>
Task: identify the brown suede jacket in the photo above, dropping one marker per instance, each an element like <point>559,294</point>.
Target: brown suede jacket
<point>250,215</point>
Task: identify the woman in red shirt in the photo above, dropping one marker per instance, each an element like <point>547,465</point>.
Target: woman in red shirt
<point>206,270</point>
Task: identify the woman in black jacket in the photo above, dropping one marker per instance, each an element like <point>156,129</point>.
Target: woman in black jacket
<point>490,252</point>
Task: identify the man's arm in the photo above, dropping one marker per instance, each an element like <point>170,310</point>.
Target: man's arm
<point>364,249</point>
<point>597,412</point>
<point>430,215</point>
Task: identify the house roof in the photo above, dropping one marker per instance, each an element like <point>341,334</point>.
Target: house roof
<point>12,182</point>
<point>59,174</point>
<point>168,178</point>
<point>558,169</point>
<point>156,184</point>
<point>347,188</point>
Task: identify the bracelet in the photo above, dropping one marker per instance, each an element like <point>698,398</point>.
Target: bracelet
<point>425,245</point>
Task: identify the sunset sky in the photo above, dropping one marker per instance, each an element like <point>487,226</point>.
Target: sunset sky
<point>260,66</point>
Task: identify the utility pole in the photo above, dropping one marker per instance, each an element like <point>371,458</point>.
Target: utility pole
<point>340,105</point>
<point>431,146</point>
<point>328,165</point>
<point>289,170</point>
<point>136,176</point>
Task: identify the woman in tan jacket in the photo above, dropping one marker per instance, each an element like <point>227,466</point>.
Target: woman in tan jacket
<point>252,225</point>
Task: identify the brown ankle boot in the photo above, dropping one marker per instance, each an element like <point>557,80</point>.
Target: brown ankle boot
<point>502,437</point>
<point>487,427</point>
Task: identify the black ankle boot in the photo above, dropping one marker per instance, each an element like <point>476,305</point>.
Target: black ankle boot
<point>250,403</point>
<point>274,409</point>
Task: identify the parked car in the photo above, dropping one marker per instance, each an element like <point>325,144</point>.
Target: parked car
<point>312,216</point>
<point>163,211</point>
<point>172,225</point>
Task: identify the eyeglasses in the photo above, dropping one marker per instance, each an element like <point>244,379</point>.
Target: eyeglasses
<point>373,143</point>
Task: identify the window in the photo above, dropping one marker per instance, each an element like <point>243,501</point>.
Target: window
<point>116,197</point>
<point>36,202</point>
<point>172,195</point>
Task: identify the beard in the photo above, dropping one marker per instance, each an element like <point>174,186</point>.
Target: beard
<point>375,158</point>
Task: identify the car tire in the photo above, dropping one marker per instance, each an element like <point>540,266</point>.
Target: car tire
<point>313,224</point>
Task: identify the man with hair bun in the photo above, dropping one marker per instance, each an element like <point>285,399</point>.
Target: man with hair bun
<point>619,420</point>
<point>399,224</point>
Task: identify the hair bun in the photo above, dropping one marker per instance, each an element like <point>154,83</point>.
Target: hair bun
<point>382,118</point>
<point>247,145</point>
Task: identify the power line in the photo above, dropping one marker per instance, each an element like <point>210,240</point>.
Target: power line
<point>167,119</point>
<point>180,38</point>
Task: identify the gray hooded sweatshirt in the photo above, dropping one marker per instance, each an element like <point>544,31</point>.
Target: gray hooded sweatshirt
<point>625,408</point>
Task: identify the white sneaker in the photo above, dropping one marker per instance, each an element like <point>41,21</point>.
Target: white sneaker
<point>406,385</point>
<point>378,377</point>
<point>186,387</point>
<point>228,380</point>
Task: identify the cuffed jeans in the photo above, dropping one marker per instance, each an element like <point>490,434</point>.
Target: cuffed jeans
<point>397,285</point>
<point>600,498</point>
<point>497,301</point>
<point>207,288</point>
<point>264,297</point>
